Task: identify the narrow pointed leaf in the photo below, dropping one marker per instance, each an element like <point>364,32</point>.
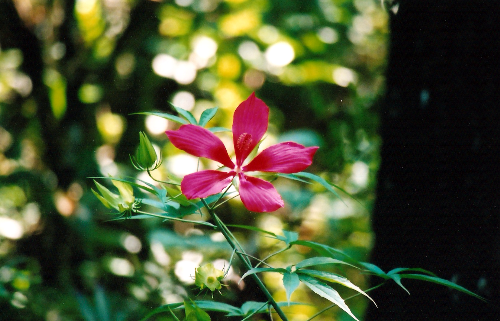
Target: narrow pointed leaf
<point>320,180</point>
<point>326,292</point>
<point>258,270</point>
<point>219,129</point>
<point>335,278</point>
<point>441,281</point>
<point>102,199</point>
<point>399,270</point>
<point>323,249</point>
<point>288,237</point>
<point>253,228</point>
<point>374,269</point>
<point>397,278</point>
<point>186,114</point>
<point>319,260</point>
<point>294,177</point>
<point>291,282</point>
<point>217,306</point>
<point>207,115</point>
<point>171,117</point>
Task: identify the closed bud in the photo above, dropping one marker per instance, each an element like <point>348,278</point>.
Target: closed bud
<point>145,155</point>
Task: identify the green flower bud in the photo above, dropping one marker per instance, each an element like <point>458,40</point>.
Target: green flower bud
<point>208,276</point>
<point>123,202</point>
<point>145,156</point>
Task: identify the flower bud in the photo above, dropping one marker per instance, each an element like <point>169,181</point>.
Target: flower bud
<point>145,156</point>
<point>208,276</point>
<point>123,202</point>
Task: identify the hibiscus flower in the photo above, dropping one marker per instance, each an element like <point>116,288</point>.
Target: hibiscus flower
<point>249,126</point>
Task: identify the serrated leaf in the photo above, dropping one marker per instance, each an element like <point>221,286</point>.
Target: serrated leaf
<point>259,270</point>
<point>335,278</point>
<point>326,292</point>
<point>291,282</point>
<point>441,281</point>
<point>171,117</point>
<point>207,115</point>
<point>219,129</point>
<point>319,260</point>
<point>186,114</point>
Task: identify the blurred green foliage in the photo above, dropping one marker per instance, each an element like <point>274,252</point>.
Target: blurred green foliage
<point>72,72</point>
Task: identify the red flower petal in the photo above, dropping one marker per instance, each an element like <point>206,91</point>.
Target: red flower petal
<point>205,183</point>
<point>200,142</point>
<point>287,157</point>
<point>249,126</point>
<point>259,195</point>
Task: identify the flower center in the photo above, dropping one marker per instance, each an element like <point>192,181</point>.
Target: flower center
<point>244,142</point>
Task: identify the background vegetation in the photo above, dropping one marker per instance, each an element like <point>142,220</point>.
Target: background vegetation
<point>71,74</point>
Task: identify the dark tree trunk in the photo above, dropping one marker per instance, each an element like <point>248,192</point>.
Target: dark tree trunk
<point>438,200</point>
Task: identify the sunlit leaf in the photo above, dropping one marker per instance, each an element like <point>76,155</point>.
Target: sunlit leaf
<point>335,278</point>
<point>320,180</point>
<point>186,114</point>
<point>291,282</point>
<point>219,129</point>
<point>207,115</point>
<point>194,313</point>
<point>326,292</point>
<point>258,270</point>
<point>252,228</point>
<point>319,260</point>
<point>288,237</point>
<point>171,117</point>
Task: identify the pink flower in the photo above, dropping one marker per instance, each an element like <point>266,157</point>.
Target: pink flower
<point>249,126</point>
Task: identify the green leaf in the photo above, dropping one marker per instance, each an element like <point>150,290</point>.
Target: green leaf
<point>171,117</point>
<point>322,181</point>
<point>335,278</point>
<point>217,306</point>
<point>323,249</point>
<point>207,115</point>
<point>319,260</point>
<point>399,270</point>
<point>374,269</point>
<point>219,129</point>
<point>258,270</point>
<point>194,313</point>
<point>252,228</point>
<point>291,282</point>
<point>288,237</point>
<point>397,278</point>
<point>326,292</point>
<point>163,308</point>
<point>293,176</point>
<point>440,281</point>
<point>186,114</point>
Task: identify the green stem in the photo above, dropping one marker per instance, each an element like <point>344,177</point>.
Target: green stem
<point>271,255</point>
<point>245,260</point>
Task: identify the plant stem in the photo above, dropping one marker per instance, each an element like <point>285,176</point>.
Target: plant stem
<point>245,261</point>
